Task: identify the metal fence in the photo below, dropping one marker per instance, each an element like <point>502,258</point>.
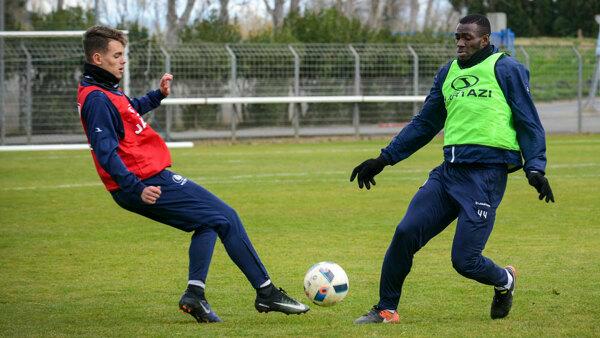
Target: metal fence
<point>40,79</point>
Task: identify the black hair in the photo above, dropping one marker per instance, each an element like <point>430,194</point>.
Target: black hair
<point>480,20</point>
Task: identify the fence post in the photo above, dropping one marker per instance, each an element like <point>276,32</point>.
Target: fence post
<point>148,59</point>
<point>526,57</point>
<point>169,111</point>
<point>415,76</point>
<point>2,116</point>
<point>356,109</point>
<point>126,82</point>
<point>296,106</point>
<point>594,87</point>
<point>233,60</point>
<point>28,84</point>
<point>579,87</point>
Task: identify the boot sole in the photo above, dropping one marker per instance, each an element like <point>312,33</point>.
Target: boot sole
<point>187,310</point>
<point>263,309</point>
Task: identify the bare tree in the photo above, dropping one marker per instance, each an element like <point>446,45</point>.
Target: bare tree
<point>276,12</point>
<point>60,5</point>
<point>294,6</point>
<point>224,11</point>
<point>339,4</point>
<point>346,7</point>
<point>392,18</point>
<point>414,13</point>
<point>156,21</point>
<point>428,17</point>
<point>375,14</point>
<point>142,10</point>
<point>349,8</point>
<point>175,23</point>
<point>16,15</point>
<point>452,16</point>
<point>123,10</point>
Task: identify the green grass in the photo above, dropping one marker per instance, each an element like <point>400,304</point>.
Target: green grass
<point>72,263</point>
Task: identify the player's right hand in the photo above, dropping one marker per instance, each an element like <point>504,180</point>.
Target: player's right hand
<point>367,170</point>
<point>150,194</point>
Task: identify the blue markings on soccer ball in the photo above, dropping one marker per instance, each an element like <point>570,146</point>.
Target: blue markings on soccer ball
<point>340,288</point>
<point>320,296</point>
<point>327,274</point>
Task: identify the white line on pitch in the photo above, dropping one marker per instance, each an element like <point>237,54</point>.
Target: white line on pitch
<point>58,186</point>
<point>224,154</point>
<point>275,177</point>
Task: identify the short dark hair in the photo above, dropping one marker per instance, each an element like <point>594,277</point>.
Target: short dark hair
<point>96,39</point>
<point>480,20</point>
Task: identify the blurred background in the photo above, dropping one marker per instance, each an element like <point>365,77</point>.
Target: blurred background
<point>366,65</point>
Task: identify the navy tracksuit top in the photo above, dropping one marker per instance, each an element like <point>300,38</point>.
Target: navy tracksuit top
<point>513,79</point>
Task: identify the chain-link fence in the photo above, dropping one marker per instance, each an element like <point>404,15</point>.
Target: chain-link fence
<point>39,82</point>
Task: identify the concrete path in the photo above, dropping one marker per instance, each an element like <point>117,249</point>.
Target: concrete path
<point>561,117</point>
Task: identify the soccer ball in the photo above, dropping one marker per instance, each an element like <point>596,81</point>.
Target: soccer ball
<point>326,283</point>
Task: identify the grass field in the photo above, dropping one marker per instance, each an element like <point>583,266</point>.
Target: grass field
<point>72,263</point>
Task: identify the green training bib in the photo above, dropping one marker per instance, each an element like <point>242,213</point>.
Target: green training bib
<point>477,109</point>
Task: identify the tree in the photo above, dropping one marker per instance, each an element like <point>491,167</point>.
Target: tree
<point>71,18</point>
<point>16,16</point>
<point>518,12</point>
<point>328,25</point>
<point>174,23</point>
<point>428,19</point>
<point>276,12</point>
<point>575,15</point>
<point>224,11</point>
<point>374,14</point>
<point>540,17</point>
<point>391,16</point>
<point>414,13</point>
<point>294,6</point>
<point>211,29</point>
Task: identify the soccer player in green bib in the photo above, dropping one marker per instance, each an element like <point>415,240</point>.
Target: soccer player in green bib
<point>491,128</point>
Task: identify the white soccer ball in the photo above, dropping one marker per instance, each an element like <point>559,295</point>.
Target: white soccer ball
<point>326,283</point>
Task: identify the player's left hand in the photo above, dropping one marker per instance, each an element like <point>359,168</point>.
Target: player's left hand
<point>541,184</point>
<point>367,170</point>
<point>165,84</point>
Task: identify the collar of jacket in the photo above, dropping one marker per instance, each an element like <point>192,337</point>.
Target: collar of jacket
<point>479,56</point>
<point>100,77</point>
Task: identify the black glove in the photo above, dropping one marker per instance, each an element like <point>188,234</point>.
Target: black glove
<point>541,184</point>
<point>367,170</point>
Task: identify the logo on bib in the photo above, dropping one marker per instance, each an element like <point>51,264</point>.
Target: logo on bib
<point>179,179</point>
<point>464,81</point>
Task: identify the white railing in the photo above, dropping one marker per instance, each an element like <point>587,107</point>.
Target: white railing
<point>293,100</point>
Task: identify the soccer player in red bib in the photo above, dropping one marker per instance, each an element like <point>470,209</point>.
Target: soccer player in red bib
<point>131,160</point>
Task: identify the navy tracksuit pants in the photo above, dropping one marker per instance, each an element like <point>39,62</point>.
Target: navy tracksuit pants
<point>187,206</point>
<point>469,192</point>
